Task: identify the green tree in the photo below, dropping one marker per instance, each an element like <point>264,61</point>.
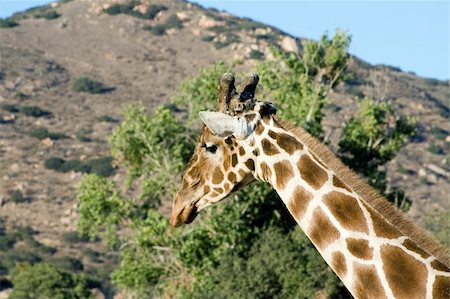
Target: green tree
<point>248,243</point>
<point>45,281</point>
<point>373,138</point>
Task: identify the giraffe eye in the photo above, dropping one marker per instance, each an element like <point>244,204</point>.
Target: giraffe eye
<point>209,147</point>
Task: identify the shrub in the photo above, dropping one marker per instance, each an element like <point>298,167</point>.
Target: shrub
<point>257,55</point>
<point>67,263</point>
<point>85,84</point>
<point>173,22</point>
<point>74,237</point>
<point>10,108</point>
<point>440,133</point>
<point>7,23</point>
<point>33,111</point>
<point>42,133</point>
<point>102,166</point>
<point>22,96</point>
<point>18,197</point>
<point>82,135</point>
<point>92,255</point>
<point>207,38</point>
<point>48,15</point>
<point>7,241</point>
<point>46,281</point>
<point>153,10</point>
<point>230,38</point>
<point>118,8</point>
<point>107,118</point>
<point>156,30</point>
<point>128,8</point>
<point>435,149</point>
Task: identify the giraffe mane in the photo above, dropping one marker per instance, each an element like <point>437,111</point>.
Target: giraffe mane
<point>369,195</point>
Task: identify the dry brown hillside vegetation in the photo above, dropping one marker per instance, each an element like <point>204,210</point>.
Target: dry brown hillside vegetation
<point>67,70</point>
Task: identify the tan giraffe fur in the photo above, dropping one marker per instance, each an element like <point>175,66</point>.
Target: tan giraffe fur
<point>374,250</point>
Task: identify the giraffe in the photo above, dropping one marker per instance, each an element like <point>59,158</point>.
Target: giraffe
<point>371,247</point>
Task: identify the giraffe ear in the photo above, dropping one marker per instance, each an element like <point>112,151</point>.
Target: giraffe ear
<point>223,125</point>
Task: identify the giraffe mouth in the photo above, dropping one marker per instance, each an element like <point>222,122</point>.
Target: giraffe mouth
<point>186,215</point>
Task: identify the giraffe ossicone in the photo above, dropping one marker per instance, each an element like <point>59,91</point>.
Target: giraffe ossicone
<point>373,249</point>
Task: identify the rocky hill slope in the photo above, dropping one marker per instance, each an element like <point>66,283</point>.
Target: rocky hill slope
<point>144,58</point>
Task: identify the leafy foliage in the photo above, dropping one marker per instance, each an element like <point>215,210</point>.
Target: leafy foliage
<point>300,86</point>
<point>45,281</point>
<point>373,138</point>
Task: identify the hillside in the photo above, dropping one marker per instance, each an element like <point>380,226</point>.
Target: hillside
<point>139,58</point>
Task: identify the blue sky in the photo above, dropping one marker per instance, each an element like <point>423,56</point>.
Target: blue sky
<point>412,35</point>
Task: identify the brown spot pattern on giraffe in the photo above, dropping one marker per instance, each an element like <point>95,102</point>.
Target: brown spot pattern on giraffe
<point>338,183</point>
<point>268,148</point>
<point>241,151</point>
<point>256,152</point>
<point>367,284</point>
<point>286,142</point>
<point>338,263</point>
<point>382,228</point>
<point>250,164</point>
<point>405,274</point>
<point>266,172</point>
<point>437,265</point>
<point>259,129</point>
<point>410,245</point>
<point>226,162</point>
<point>441,287</point>
<point>234,160</point>
<point>313,174</point>
<point>322,232</point>
<point>347,211</point>
<point>250,117</point>
<point>359,248</point>
<point>217,176</point>
<point>232,177</point>
<point>284,173</point>
<point>206,189</point>
<point>299,201</point>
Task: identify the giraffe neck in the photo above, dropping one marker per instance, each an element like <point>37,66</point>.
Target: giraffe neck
<point>371,256</point>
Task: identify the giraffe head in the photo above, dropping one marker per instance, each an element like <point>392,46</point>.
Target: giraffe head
<point>223,160</point>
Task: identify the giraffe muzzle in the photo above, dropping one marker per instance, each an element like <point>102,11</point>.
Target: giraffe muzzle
<point>185,215</point>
